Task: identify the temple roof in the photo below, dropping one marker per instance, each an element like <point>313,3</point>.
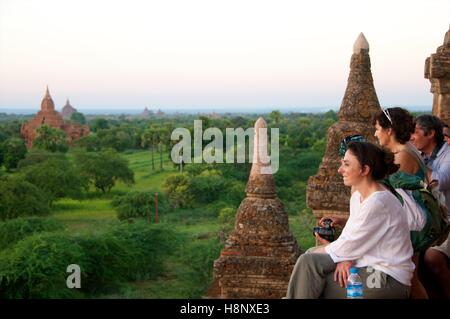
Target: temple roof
<point>47,102</point>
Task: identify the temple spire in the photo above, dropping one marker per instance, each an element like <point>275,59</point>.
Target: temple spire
<point>360,44</point>
<point>326,193</point>
<point>360,100</point>
<point>261,182</point>
<point>47,102</point>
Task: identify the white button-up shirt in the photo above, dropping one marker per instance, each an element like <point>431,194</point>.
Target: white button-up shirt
<point>377,235</point>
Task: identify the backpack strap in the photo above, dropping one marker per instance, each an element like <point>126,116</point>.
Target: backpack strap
<point>385,182</point>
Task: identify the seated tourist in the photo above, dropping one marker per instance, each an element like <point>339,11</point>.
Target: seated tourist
<point>375,239</point>
<point>393,129</point>
<point>429,138</point>
<point>446,132</point>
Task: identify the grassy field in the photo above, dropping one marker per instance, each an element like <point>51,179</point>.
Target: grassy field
<point>181,279</point>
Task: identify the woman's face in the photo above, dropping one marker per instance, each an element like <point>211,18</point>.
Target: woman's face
<point>382,134</point>
<point>350,169</point>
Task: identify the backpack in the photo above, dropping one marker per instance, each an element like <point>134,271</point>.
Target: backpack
<point>437,226</point>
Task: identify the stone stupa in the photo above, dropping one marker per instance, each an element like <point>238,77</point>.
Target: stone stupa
<point>260,253</point>
<point>326,193</point>
<point>437,70</point>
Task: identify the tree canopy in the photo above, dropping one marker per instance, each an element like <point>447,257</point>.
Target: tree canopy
<point>103,169</point>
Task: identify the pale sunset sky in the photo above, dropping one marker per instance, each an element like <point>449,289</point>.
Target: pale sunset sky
<point>207,54</point>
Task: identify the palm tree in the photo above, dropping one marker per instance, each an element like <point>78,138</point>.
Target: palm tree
<point>163,140</point>
<point>149,138</point>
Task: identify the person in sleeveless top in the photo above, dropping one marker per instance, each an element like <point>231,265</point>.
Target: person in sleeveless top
<point>393,129</point>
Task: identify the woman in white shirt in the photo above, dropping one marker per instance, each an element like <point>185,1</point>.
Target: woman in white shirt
<point>375,239</point>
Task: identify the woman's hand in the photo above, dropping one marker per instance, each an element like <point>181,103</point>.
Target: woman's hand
<point>335,221</point>
<point>342,272</point>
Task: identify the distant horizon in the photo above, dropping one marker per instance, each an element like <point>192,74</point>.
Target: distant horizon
<point>193,110</point>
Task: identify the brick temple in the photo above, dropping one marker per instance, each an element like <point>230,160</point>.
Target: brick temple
<point>49,116</point>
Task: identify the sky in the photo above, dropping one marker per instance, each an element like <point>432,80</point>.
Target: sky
<point>209,54</point>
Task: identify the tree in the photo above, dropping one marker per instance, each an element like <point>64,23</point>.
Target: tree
<point>14,150</point>
<point>50,139</point>
<point>150,138</point>
<point>21,198</point>
<point>1,154</point>
<point>57,177</point>
<point>275,116</point>
<point>177,189</point>
<point>99,124</point>
<point>78,117</point>
<point>163,138</point>
<point>137,205</point>
<point>117,138</point>
<point>90,142</point>
<point>37,156</point>
<point>104,169</point>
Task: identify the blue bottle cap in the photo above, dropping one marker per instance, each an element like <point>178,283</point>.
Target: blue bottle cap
<point>353,270</point>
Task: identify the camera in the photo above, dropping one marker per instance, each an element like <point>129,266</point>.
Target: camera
<point>327,232</point>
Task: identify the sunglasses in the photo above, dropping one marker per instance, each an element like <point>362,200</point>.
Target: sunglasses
<point>386,112</point>
<point>351,138</point>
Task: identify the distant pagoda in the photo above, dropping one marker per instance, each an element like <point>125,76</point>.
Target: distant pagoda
<point>68,110</point>
<point>146,113</point>
<point>49,116</point>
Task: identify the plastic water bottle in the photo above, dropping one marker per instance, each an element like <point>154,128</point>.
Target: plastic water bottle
<point>354,285</point>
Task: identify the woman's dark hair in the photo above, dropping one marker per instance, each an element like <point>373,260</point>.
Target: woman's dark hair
<point>380,161</point>
<point>430,123</point>
<point>402,122</point>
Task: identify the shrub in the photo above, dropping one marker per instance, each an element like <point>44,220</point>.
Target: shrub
<point>235,192</point>
<point>15,230</point>
<point>137,205</point>
<point>107,259</point>
<point>149,244</point>
<point>36,267</point>
<point>207,186</point>
<point>177,190</point>
<point>198,257</point>
<point>57,177</point>
<point>21,198</point>
<point>227,215</point>
<point>13,150</point>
